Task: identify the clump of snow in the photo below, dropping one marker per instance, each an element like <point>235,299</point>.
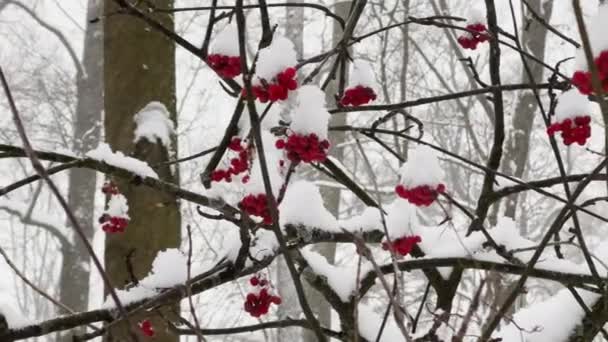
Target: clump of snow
<point>104,153</point>
<point>118,206</point>
<point>153,123</point>
<point>226,42</point>
<point>303,204</point>
<point>571,104</point>
<point>361,73</point>
<point>342,279</point>
<point>264,244</point>
<point>310,114</point>
<point>476,16</point>
<point>276,57</point>
<point>130,295</point>
<point>370,219</point>
<point>369,324</point>
<point>170,267</point>
<point>401,220</point>
<point>551,320</point>
<point>422,168</point>
<point>14,317</point>
<point>598,39</point>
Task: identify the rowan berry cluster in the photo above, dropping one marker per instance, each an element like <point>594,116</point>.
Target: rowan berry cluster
<point>276,89</point>
<point>256,205</point>
<point>258,302</point>
<point>358,96</point>
<point>114,219</point>
<point>238,165</point>
<point>422,195</point>
<point>304,148</point>
<point>225,66</point>
<point>477,34</point>
<point>582,79</point>
<point>573,131</point>
<point>403,245</point>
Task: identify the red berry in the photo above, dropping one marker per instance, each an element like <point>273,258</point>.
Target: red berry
<point>254,281</point>
<point>403,245</point>
<point>477,33</point>
<point>577,130</point>
<point>422,195</point>
<point>225,66</point>
<point>109,188</point>
<point>357,96</point>
<point>146,328</point>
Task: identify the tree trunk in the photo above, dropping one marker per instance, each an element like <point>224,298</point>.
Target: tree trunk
<point>140,68</point>
<point>533,39</point>
<point>74,276</point>
<point>517,149</point>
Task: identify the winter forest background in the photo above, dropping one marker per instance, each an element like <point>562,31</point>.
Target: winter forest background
<point>145,145</point>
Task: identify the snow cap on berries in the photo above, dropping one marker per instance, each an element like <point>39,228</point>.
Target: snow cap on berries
<point>401,220</point>
<point>275,58</point>
<point>362,73</point>
<point>310,114</point>
<point>117,206</point>
<point>226,42</point>
<point>571,104</point>
<point>422,168</point>
<point>598,39</point>
<point>476,16</point>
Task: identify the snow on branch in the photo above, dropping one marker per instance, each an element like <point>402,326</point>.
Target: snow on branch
<point>104,153</point>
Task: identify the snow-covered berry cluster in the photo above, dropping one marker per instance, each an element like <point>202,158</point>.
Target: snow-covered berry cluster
<point>256,205</point>
<point>357,96</point>
<point>403,245</point>
<point>225,66</point>
<point>477,33</point>
<point>576,130</point>
<point>572,118</point>
<point>421,177</point>
<point>238,165</point>
<point>115,218</point>
<point>422,195</point>
<point>305,148</point>
<point>258,301</point>
<point>146,328</point>
<point>582,79</point>
<point>276,89</point>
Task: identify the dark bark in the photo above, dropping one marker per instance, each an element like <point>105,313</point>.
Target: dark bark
<point>140,68</point>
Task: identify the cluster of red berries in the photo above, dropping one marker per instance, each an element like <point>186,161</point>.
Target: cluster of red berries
<point>238,165</point>
<point>225,66</point>
<point>573,131</point>
<point>278,89</point>
<point>477,34</point>
<point>257,304</point>
<point>357,96</point>
<point>109,223</point>
<point>307,148</point>
<point>403,245</point>
<point>146,328</point>
<point>113,224</point>
<point>109,188</point>
<point>582,79</point>
<point>422,195</point>
<point>256,205</point>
